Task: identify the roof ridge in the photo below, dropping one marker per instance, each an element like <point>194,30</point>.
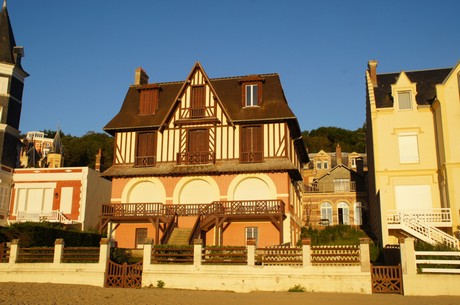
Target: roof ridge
<point>411,71</point>
<point>217,78</point>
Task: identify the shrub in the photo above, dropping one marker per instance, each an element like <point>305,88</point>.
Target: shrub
<point>297,288</point>
<point>160,284</point>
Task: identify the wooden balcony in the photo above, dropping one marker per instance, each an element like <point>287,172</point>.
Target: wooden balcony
<point>229,208</point>
<point>193,158</point>
<point>144,161</point>
<point>197,112</point>
<point>252,157</point>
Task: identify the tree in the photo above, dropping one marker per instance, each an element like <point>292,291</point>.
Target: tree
<point>81,151</point>
<point>327,138</point>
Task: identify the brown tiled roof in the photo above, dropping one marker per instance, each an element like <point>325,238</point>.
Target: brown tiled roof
<point>274,105</point>
<point>224,167</point>
<point>426,81</point>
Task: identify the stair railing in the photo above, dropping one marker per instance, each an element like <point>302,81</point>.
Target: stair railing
<point>169,229</point>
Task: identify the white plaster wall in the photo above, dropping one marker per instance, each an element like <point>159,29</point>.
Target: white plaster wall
<point>259,278</point>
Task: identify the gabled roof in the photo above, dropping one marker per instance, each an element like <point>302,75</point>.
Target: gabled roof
<point>229,93</point>
<point>176,101</point>
<point>426,81</point>
<point>7,42</point>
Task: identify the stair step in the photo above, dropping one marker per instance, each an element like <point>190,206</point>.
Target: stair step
<point>179,236</point>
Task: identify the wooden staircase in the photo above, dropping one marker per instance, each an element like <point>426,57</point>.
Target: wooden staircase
<point>179,236</point>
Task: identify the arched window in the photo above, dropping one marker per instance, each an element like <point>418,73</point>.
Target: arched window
<point>358,214</point>
<point>326,214</point>
<point>343,213</point>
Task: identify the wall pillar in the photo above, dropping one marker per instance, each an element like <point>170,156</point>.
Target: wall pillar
<point>251,251</point>
<point>58,251</point>
<point>408,264</point>
<point>306,252</point>
<point>364,254</point>
<point>197,252</point>
<point>104,251</point>
<point>147,259</point>
<point>14,251</point>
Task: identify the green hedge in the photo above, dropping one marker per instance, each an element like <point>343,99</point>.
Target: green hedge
<point>44,234</point>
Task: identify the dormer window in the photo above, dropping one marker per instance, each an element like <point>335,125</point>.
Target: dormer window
<point>251,90</point>
<point>404,100</point>
<point>148,103</point>
<point>252,95</point>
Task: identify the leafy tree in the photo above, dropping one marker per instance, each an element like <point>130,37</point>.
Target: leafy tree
<point>81,151</point>
<point>327,138</point>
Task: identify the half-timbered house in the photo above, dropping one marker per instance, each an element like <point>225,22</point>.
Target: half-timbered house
<point>217,159</point>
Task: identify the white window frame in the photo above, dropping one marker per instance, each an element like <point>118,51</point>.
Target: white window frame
<point>251,97</point>
<point>358,213</point>
<point>342,184</point>
<point>345,216</point>
<point>400,94</point>
<point>326,212</point>
<point>251,232</point>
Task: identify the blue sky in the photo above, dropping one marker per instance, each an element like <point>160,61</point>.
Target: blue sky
<point>81,55</point>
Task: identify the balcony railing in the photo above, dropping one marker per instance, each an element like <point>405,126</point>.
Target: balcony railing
<point>36,216</point>
<point>197,112</point>
<point>252,157</point>
<point>439,217</point>
<point>142,161</point>
<point>199,157</point>
<point>330,187</point>
<point>250,207</point>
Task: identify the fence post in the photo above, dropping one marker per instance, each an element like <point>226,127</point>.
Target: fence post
<point>104,251</point>
<point>58,250</point>
<point>14,251</point>
<point>197,252</point>
<point>306,252</point>
<point>251,251</point>
<point>408,264</point>
<point>364,254</point>
<point>147,260</point>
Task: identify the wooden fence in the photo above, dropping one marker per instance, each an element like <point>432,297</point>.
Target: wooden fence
<point>4,252</point>
<point>224,255</point>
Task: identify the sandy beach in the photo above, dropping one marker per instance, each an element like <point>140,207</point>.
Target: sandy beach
<point>32,293</point>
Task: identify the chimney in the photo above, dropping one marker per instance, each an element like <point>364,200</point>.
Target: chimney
<point>140,77</point>
<point>97,166</point>
<point>338,154</point>
<point>360,166</point>
<point>372,65</point>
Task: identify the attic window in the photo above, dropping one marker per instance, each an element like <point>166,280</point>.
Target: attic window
<point>148,103</point>
<point>404,100</point>
<point>251,90</point>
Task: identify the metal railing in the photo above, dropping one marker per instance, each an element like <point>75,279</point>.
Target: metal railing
<point>36,216</point>
<point>440,217</point>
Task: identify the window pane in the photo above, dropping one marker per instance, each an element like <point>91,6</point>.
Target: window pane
<point>404,100</point>
<point>251,95</point>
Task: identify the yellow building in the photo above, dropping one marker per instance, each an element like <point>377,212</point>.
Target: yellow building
<point>414,154</point>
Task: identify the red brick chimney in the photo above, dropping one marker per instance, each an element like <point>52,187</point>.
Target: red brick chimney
<point>140,77</point>
<point>338,154</point>
<point>372,65</point>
